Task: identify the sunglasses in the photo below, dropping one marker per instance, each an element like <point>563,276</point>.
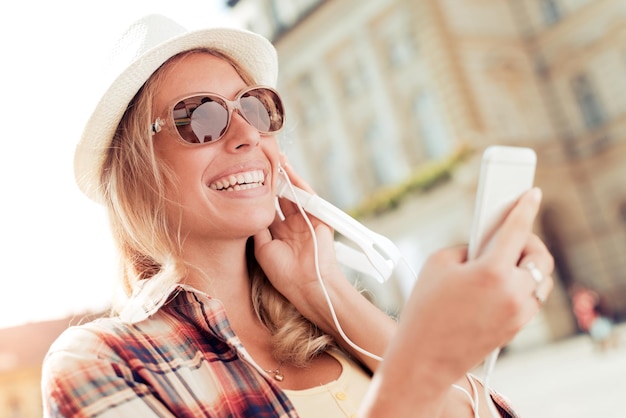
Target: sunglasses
<point>205,117</point>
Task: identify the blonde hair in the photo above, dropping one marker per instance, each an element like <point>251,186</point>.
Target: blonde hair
<point>134,184</point>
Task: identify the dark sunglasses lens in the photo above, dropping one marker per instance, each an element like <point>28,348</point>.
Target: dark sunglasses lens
<point>263,109</point>
<point>201,119</point>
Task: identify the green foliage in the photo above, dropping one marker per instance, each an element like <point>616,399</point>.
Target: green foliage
<point>424,178</point>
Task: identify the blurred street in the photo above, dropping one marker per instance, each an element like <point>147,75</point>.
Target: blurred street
<point>567,379</point>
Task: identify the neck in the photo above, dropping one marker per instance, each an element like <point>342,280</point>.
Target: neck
<point>220,271</point>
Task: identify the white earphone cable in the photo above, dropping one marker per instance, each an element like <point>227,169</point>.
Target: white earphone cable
<point>321,281</point>
<point>489,362</point>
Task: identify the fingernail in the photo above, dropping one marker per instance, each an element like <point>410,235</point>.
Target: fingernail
<point>536,194</point>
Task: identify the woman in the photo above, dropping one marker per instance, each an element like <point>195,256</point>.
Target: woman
<point>226,315</point>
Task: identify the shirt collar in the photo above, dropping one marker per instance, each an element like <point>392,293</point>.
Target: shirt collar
<point>148,298</point>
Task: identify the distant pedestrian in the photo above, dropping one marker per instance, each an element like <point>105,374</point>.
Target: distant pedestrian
<point>590,317</point>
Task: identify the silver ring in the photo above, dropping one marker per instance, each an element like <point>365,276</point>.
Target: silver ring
<point>538,277</point>
<point>534,272</point>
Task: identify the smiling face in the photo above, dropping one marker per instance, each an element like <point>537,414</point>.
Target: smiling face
<point>223,190</point>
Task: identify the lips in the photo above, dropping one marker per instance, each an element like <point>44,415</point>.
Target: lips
<point>239,181</point>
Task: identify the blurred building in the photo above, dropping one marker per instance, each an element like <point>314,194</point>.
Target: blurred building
<point>22,349</point>
<point>378,90</point>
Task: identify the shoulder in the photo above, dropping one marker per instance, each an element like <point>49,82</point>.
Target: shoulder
<point>94,367</point>
<point>77,359</point>
<point>106,337</point>
<point>98,351</point>
<point>83,342</point>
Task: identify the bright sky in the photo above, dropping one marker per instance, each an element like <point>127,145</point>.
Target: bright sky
<point>57,257</point>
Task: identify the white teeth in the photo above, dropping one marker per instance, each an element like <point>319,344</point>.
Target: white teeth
<point>239,181</point>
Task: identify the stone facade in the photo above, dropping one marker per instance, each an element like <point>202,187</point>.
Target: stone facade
<point>376,89</point>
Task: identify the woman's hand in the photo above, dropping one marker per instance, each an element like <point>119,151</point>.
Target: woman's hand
<point>286,251</point>
<point>458,313</point>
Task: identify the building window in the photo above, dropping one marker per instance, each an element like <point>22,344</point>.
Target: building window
<point>352,77</point>
<point>288,12</point>
<point>400,53</point>
<point>551,11</point>
<point>338,178</point>
<point>431,126</point>
<point>308,101</point>
<point>401,48</point>
<point>387,162</point>
<point>395,36</point>
<point>352,84</point>
<point>588,102</point>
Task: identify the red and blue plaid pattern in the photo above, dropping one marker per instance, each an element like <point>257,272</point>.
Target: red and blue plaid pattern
<point>184,361</point>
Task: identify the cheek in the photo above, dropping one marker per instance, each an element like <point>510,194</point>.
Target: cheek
<point>181,175</point>
<point>183,170</point>
<point>271,150</point>
<point>183,163</point>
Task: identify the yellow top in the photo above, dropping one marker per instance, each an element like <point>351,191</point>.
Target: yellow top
<point>339,398</point>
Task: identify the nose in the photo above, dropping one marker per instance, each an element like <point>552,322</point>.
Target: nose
<point>241,134</point>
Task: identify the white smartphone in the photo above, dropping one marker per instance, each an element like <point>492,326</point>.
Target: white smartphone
<point>506,172</point>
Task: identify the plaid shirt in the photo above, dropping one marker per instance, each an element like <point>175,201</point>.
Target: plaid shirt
<point>182,361</point>
<point>178,358</point>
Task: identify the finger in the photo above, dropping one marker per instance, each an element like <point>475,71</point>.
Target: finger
<point>262,238</point>
<point>288,207</point>
<point>510,239</point>
<point>294,177</point>
<point>291,209</point>
<point>451,255</point>
<point>540,284</point>
<point>544,289</point>
<point>537,252</point>
<point>539,264</point>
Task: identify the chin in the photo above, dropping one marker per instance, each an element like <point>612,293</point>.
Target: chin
<point>262,216</point>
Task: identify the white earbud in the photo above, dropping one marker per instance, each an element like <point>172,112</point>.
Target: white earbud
<point>279,211</point>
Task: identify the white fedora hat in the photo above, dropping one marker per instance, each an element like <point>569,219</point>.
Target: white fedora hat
<point>141,50</point>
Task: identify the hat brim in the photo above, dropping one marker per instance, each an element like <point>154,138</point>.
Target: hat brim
<point>250,50</point>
